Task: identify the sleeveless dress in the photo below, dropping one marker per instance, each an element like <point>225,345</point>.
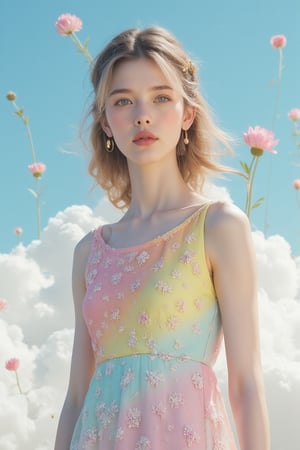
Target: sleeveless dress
<point>155,328</point>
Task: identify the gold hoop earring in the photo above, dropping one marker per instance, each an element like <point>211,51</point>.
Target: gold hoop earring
<point>185,137</point>
<point>109,145</point>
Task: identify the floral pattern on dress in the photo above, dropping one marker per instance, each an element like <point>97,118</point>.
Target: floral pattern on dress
<point>175,399</point>
<point>142,257</point>
<point>134,418</point>
<point>154,378</point>
<point>191,437</point>
<point>163,287</point>
<point>159,409</point>
<point>143,444</point>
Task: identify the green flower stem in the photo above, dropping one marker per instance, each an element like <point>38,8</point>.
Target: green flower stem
<point>278,90</point>
<point>298,198</point>
<point>248,186</point>
<point>18,382</point>
<point>30,141</point>
<point>295,134</point>
<point>26,123</point>
<point>83,49</point>
<point>38,208</point>
<point>20,113</point>
<point>253,168</point>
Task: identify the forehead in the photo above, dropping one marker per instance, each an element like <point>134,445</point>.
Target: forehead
<point>138,73</point>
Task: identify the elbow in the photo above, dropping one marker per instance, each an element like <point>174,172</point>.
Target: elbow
<point>245,390</point>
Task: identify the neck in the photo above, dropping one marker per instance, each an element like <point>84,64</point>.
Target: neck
<point>156,187</point>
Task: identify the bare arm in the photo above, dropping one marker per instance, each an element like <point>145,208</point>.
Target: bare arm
<point>82,364</point>
<point>232,259</point>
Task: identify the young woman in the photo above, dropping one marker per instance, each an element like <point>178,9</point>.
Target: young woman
<point>155,292</point>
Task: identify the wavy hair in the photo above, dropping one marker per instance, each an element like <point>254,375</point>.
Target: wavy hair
<point>110,170</point>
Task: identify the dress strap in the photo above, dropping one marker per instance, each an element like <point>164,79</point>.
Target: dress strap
<point>202,214</point>
<point>198,228</point>
<point>95,249</point>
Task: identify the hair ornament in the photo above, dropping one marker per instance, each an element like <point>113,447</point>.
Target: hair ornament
<point>189,67</point>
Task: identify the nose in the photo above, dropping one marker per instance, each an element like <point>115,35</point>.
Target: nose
<point>142,116</point>
<point>142,121</point>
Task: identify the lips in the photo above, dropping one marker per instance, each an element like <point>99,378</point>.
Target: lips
<point>144,137</point>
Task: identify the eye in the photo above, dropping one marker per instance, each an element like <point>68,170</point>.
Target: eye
<point>162,99</point>
<point>123,102</point>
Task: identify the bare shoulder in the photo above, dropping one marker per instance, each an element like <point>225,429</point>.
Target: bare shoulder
<point>81,252</point>
<point>223,217</point>
<point>80,257</point>
<point>227,228</point>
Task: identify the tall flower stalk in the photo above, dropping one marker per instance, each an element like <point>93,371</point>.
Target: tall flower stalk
<point>259,140</point>
<point>250,172</point>
<point>11,96</point>
<point>37,170</point>
<point>38,167</point>
<point>278,42</point>
<point>294,116</point>
<point>68,25</point>
<point>18,232</point>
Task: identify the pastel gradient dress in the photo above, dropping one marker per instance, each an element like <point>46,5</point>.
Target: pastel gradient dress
<point>155,328</point>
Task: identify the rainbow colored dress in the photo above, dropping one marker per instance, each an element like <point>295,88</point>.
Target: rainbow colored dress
<point>155,328</point>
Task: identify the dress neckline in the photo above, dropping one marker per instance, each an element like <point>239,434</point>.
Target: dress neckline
<point>164,236</point>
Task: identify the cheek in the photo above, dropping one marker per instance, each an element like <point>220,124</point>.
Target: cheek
<point>174,116</point>
<point>116,121</point>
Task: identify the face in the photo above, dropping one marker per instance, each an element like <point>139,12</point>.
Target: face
<point>144,113</point>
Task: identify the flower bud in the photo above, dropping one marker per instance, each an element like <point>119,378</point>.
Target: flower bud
<point>296,184</point>
<point>37,169</point>
<point>294,114</point>
<point>278,41</point>
<point>3,304</point>
<point>12,364</point>
<point>11,96</point>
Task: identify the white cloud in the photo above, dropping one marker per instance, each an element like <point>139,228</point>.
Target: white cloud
<point>37,328</point>
<point>275,262</point>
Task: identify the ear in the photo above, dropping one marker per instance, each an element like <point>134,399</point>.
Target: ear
<point>106,126</point>
<point>188,117</point>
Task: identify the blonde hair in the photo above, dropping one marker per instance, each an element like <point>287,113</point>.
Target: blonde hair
<point>110,170</point>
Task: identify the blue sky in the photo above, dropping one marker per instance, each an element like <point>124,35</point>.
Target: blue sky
<point>230,40</point>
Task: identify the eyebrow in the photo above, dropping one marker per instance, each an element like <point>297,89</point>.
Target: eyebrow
<point>128,91</point>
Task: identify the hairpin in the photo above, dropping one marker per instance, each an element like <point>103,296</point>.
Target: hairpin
<point>189,67</point>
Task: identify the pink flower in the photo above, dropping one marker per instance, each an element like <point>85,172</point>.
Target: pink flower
<point>67,24</point>
<point>296,184</point>
<point>261,139</point>
<point>294,114</point>
<point>12,364</point>
<point>37,169</point>
<point>3,304</point>
<point>278,41</point>
<point>18,230</point>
